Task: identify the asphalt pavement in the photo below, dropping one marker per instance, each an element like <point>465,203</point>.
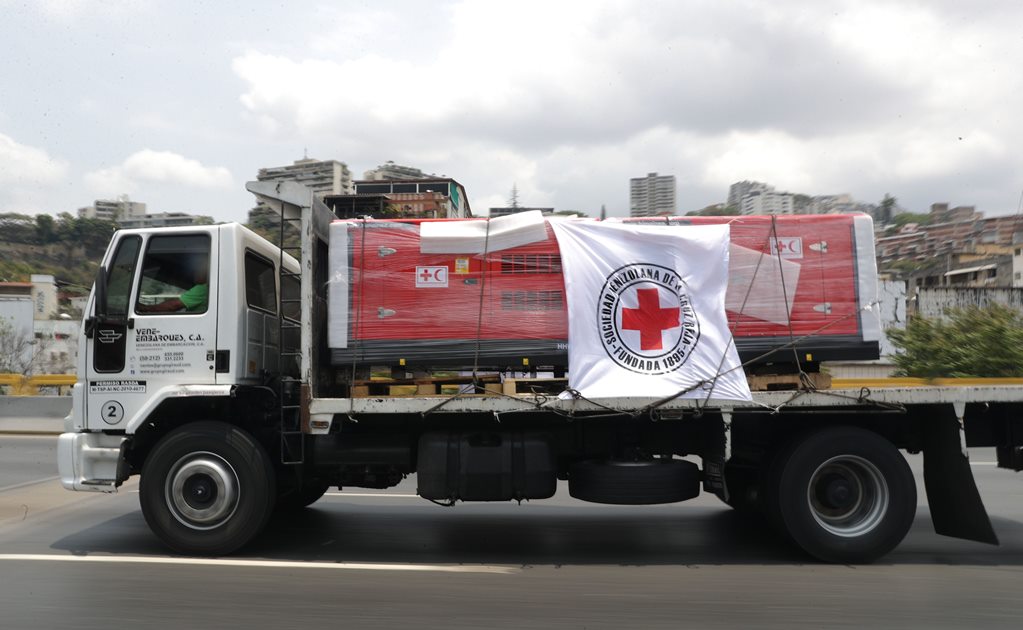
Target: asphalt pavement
<point>387,559</point>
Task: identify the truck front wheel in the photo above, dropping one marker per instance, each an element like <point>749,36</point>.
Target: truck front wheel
<point>843,494</point>
<point>207,489</point>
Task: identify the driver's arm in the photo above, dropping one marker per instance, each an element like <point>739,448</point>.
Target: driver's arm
<point>167,306</point>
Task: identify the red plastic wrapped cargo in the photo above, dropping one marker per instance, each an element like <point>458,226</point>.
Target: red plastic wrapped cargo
<point>800,281</point>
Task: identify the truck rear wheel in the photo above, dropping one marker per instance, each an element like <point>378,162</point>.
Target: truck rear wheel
<point>207,489</point>
<point>843,494</point>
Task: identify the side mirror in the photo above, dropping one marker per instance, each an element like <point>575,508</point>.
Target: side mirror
<point>101,292</point>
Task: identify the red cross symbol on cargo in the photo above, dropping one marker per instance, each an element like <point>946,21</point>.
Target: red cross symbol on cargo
<point>650,319</point>
<point>432,276</point>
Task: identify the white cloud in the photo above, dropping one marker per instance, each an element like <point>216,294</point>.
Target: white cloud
<point>27,174</point>
<point>568,100</point>
<point>844,96</point>
<point>156,167</point>
<point>22,165</point>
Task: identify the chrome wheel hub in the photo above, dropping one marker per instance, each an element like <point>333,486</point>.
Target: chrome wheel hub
<point>202,490</point>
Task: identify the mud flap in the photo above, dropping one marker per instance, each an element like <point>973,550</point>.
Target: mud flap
<point>956,506</point>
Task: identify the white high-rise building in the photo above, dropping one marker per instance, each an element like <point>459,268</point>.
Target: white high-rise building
<point>324,177</point>
<point>767,202</point>
<point>113,209</point>
<point>391,171</point>
<point>739,190</point>
<point>652,195</point>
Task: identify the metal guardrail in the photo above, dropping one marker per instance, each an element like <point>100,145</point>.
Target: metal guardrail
<point>21,385</point>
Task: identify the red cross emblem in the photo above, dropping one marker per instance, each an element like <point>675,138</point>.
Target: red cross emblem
<point>650,319</point>
<point>646,319</point>
<point>431,276</point>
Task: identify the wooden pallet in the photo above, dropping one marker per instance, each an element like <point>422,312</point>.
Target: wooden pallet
<point>451,386</point>
<point>429,386</point>
<point>775,382</point>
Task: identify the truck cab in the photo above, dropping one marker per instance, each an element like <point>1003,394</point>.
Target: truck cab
<point>144,366</point>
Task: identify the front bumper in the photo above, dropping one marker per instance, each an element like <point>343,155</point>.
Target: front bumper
<point>91,461</point>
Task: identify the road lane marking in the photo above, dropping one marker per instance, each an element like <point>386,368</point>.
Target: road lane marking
<point>270,564</point>
<point>28,483</point>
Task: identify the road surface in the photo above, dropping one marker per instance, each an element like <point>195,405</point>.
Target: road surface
<point>386,559</point>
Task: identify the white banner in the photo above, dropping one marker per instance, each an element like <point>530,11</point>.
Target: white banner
<point>646,311</point>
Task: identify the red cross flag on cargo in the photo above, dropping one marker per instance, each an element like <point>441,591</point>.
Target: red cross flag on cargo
<point>646,311</point>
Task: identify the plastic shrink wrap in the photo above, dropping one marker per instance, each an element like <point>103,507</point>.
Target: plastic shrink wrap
<point>462,293</point>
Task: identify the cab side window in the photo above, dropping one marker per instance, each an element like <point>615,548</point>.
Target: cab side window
<point>175,272</point>
<point>260,283</point>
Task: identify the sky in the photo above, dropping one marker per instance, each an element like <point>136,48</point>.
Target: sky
<point>178,103</point>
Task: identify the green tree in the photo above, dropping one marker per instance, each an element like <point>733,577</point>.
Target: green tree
<point>17,228</point>
<point>45,232</point>
<point>972,342</point>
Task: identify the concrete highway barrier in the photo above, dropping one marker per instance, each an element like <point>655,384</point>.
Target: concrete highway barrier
<point>33,414</point>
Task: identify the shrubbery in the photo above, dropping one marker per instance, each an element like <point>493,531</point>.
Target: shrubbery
<point>977,342</point>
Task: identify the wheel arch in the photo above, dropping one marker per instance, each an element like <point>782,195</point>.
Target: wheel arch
<point>757,437</point>
<point>248,408</point>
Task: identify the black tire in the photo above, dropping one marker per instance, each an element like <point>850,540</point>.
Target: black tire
<point>634,483</point>
<point>207,488</point>
<point>298,498</point>
<point>842,494</point>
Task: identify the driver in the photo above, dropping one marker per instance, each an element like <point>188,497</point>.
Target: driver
<point>191,301</point>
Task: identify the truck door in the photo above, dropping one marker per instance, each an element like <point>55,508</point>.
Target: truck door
<point>157,328</point>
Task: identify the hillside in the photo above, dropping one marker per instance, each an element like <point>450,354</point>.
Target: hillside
<point>67,248</point>
<point>70,248</point>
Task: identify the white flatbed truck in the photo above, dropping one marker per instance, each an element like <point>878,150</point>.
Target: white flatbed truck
<point>231,410</point>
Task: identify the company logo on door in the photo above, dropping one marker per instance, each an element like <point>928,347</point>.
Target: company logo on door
<point>108,335</point>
